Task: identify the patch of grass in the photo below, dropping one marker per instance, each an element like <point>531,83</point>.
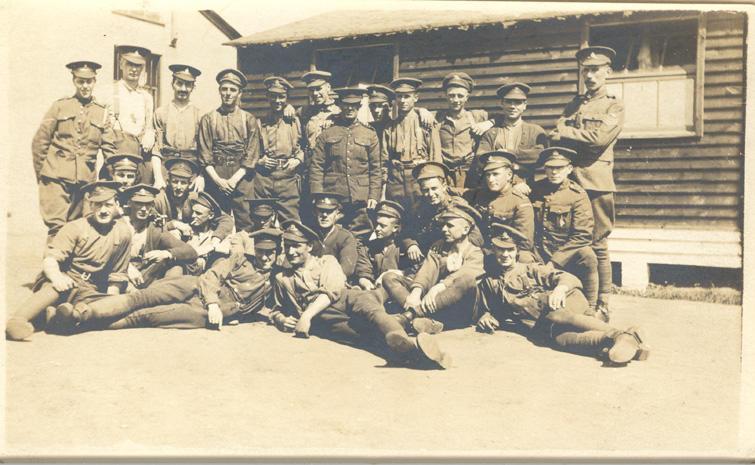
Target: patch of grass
<point>715,295</point>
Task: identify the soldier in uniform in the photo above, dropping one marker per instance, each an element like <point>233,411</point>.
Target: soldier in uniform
<point>235,289</point>
<point>346,160</point>
<point>312,297</point>
<point>512,134</point>
<point>382,253</point>
<point>155,253</point>
<point>177,122</point>
<point>564,222</point>
<point>278,168</point>
<point>131,110</point>
<point>442,292</point>
<point>456,126</point>
<point>380,103</point>
<point>498,202</point>
<point>206,234</point>
<point>406,143</point>
<point>123,165</point>
<point>264,213</point>
<point>424,227</point>
<point>66,146</point>
<point>317,115</point>
<point>590,125</point>
<point>229,149</point>
<point>547,304</point>
<point>87,258</point>
<point>174,203</point>
<point>336,240</point>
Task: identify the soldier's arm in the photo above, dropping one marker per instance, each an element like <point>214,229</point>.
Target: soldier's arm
<point>384,157</point>
<point>148,138</point>
<point>580,234</point>
<point>529,150</point>
<point>205,141</point>
<point>600,132</point>
<point>298,152</point>
<point>42,140</point>
<point>180,250</point>
<point>253,144</point>
<point>223,226</point>
<point>348,255</point>
<point>316,172</point>
<point>364,268</point>
<point>118,276</point>
<point>486,142</point>
<point>375,170</point>
<point>159,128</point>
<point>524,222</point>
<point>434,147</point>
<point>428,274</point>
<point>211,280</point>
<point>332,278</point>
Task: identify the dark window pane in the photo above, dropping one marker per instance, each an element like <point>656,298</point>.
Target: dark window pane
<point>351,66</point>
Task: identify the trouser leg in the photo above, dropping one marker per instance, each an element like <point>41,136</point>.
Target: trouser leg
<point>456,304</point>
<point>396,287</point>
<point>176,316</point>
<point>573,314</point>
<point>369,306</point>
<point>333,323</point>
<point>572,330</point>
<point>584,265</point>
<point>36,303</point>
<point>54,204</point>
<point>604,214</point>
<point>357,220</point>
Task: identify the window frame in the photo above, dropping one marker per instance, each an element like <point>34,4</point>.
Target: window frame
<point>393,45</point>
<point>151,71</point>
<point>699,74</point>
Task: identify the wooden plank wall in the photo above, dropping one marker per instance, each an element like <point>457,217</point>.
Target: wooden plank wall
<point>674,183</point>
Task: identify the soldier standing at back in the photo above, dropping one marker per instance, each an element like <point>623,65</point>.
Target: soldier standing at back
<point>177,123</point>
<point>458,140</point>
<point>229,148</point>
<point>132,108</point>
<point>65,148</point>
<point>278,169</point>
<point>406,144</point>
<point>316,116</point>
<point>590,125</point>
<point>346,160</point>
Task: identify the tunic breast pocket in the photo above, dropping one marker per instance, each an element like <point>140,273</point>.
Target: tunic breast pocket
<point>591,123</point>
<point>66,123</point>
<point>333,142</point>
<point>559,218</point>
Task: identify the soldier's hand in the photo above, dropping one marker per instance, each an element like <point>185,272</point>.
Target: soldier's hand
<point>487,323</point>
<point>371,204</point>
<point>198,184</point>
<point>157,255</point>
<point>521,188</point>
<point>63,283</point>
<point>557,299</point>
<point>292,164</point>
<point>159,183</point>
<point>289,323</point>
<point>302,327</point>
<point>481,128</point>
<point>426,118</point>
<point>225,186</point>
<point>413,302</point>
<point>554,135</point>
<point>289,112</point>
<point>214,315</point>
<point>414,254</point>
<point>182,227</point>
<point>366,284</point>
<point>135,276</point>
<point>428,305</point>
<point>268,162</point>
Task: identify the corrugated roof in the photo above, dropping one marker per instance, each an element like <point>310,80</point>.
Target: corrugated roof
<point>354,23</point>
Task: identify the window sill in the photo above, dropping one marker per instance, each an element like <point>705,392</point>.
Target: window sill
<point>659,134</point>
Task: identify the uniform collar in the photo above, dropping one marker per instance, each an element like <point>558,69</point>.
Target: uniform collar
<point>511,125</point>
<point>223,111</point>
<point>126,87</point>
<point>82,101</point>
<point>602,92</point>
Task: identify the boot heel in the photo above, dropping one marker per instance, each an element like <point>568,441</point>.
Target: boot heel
<point>643,352</point>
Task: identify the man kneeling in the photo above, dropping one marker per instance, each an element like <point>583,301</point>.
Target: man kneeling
<point>235,288</point>
<point>548,303</point>
<point>311,296</point>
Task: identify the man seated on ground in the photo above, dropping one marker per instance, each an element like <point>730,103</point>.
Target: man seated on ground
<point>382,253</point>
<point>311,297</point>
<point>203,236</point>
<point>155,253</point>
<point>564,222</point>
<point>547,304</point>
<point>124,166</point>
<point>424,228</point>
<point>442,293</point>
<point>236,288</point>
<point>175,201</point>
<point>87,258</point>
<point>336,240</point>
<point>498,202</point>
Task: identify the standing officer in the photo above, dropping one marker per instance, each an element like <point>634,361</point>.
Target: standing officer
<point>406,143</point>
<point>65,148</point>
<point>131,109</point>
<point>177,122</point>
<point>564,222</point>
<point>500,203</point>
<point>278,168</point>
<point>346,160</point>
<point>229,148</point>
<point>590,125</point>
<point>512,134</point>
<point>548,304</point>
<point>458,140</point>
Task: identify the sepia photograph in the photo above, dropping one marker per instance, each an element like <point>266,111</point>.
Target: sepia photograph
<point>376,231</point>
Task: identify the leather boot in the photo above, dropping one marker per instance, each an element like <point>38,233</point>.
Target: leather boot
<point>627,346</point>
<point>18,329</point>
<point>426,325</point>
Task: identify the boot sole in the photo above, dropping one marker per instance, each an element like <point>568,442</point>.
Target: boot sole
<point>18,330</point>
<point>427,325</point>
<point>430,349</point>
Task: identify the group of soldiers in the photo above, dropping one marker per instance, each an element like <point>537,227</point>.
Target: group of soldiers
<point>375,234</point>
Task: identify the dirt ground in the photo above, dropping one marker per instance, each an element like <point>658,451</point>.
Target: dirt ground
<point>251,391</point>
